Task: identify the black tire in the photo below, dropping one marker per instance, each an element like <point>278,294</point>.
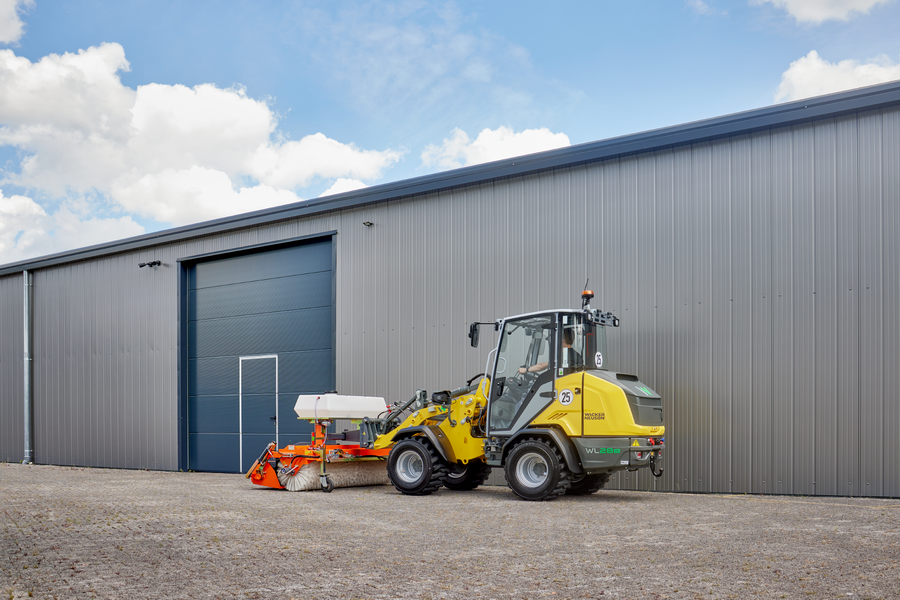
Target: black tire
<point>588,484</point>
<point>415,468</point>
<point>535,470</point>
<point>467,477</point>
<point>329,485</point>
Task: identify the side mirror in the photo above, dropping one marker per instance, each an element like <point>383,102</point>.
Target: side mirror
<point>473,334</point>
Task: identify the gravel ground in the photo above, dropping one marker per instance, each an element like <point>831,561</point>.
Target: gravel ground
<point>105,533</point>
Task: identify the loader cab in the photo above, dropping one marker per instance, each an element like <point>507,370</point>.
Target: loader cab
<point>533,350</point>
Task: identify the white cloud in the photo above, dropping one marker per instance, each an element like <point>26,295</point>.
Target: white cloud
<point>459,150</point>
<point>11,26</point>
<point>292,164</point>
<point>178,127</point>
<point>343,185</point>
<point>419,62</point>
<point>168,152</point>
<point>190,195</point>
<point>700,7</point>
<point>69,113</point>
<point>812,76</point>
<point>400,53</point>
<point>817,11</point>
<point>27,230</point>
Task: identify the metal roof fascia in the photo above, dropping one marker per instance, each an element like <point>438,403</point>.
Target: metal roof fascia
<point>240,250</point>
<point>799,111</point>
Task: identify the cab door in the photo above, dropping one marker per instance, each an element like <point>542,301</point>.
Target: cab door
<point>523,372</point>
<point>575,338</point>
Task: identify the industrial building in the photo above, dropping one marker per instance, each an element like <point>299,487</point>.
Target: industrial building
<point>753,260</point>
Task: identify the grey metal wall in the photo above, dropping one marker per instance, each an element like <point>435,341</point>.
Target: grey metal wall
<point>12,447</point>
<point>104,365</point>
<point>756,278</point>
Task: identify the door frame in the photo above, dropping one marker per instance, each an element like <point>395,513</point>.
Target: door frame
<point>241,360</point>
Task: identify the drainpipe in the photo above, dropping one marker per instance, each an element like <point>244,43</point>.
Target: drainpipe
<point>29,395</point>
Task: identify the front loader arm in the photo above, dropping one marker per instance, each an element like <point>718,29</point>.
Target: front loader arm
<point>380,432</point>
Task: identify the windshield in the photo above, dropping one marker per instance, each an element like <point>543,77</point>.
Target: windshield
<point>525,343</point>
<point>582,344</point>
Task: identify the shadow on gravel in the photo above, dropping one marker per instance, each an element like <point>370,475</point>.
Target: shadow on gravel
<point>499,493</point>
<point>503,493</point>
<point>630,497</point>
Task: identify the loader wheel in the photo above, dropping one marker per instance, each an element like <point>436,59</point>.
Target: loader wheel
<point>535,471</point>
<point>588,484</point>
<point>468,477</point>
<point>414,467</point>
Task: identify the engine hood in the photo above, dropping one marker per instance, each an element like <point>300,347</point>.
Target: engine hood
<point>630,384</point>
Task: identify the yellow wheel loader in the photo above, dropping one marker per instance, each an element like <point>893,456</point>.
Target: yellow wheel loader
<point>547,411</point>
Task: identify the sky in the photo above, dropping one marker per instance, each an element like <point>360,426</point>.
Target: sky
<point>125,117</point>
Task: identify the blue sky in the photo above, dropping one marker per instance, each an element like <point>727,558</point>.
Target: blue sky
<point>120,118</point>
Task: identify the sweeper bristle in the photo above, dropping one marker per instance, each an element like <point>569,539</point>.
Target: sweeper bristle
<point>307,478</point>
<point>342,474</point>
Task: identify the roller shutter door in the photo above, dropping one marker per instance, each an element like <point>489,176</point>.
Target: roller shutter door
<point>260,332</point>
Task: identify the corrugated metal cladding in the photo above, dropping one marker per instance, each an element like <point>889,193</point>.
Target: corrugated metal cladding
<point>104,365</point>
<point>12,352</point>
<point>260,332</point>
<point>757,278</point>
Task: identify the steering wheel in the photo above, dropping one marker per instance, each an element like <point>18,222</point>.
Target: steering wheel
<point>523,378</point>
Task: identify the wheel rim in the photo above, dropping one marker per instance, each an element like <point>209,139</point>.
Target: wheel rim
<point>410,467</point>
<point>454,476</point>
<point>532,470</point>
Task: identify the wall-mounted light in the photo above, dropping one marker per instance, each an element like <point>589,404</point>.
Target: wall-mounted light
<point>368,223</point>
<point>152,263</point>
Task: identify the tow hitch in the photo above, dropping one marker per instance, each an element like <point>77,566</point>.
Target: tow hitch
<point>653,457</point>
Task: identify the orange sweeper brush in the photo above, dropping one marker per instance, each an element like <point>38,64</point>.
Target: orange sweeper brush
<point>322,465</point>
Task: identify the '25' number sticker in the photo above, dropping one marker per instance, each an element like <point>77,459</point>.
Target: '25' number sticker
<point>565,397</point>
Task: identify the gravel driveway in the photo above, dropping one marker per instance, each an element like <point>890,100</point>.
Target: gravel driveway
<point>106,533</point>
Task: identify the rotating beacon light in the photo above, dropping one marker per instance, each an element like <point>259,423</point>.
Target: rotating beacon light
<point>586,296</point>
